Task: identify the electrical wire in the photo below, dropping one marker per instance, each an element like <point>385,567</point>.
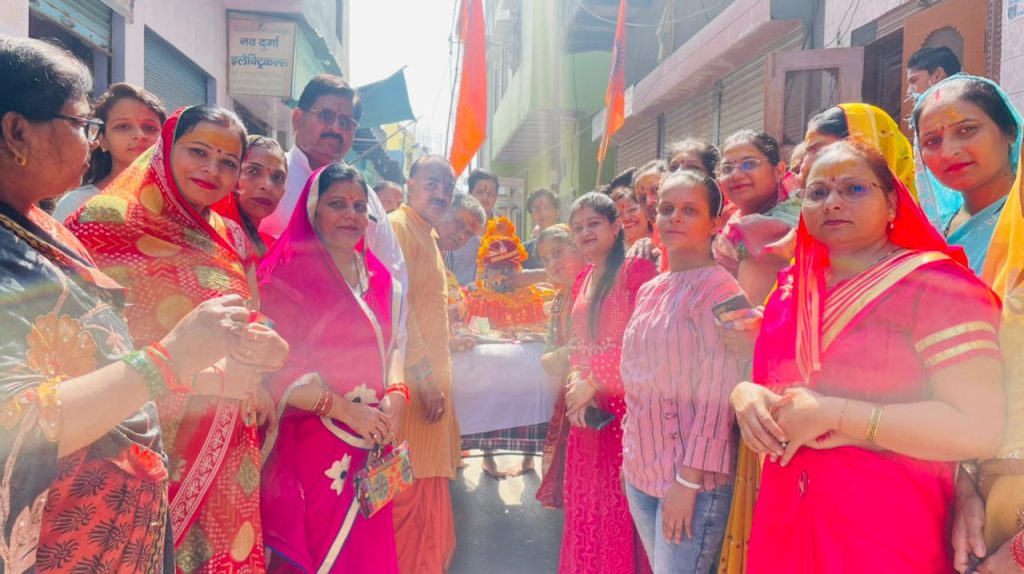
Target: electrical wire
<point>658,25</point>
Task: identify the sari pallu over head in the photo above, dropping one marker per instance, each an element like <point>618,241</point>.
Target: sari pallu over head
<point>143,233</point>
<point>941,203</point>
<point>804,319</point>
<point>344,341</point>
<point>298,274</point>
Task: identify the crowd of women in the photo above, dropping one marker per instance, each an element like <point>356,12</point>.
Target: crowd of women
<point>173,383</point>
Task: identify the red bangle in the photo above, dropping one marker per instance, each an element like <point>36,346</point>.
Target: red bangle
<point>1017,549</point>
<point>401,389</point>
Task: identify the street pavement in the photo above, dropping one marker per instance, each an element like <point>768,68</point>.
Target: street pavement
<point>500,527</point>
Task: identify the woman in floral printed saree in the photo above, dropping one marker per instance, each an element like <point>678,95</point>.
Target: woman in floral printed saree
<point>84,481</point>
<point>338,303</point>
<point>153,230</point>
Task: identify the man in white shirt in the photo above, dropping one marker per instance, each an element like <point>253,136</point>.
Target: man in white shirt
<point>325,124</point>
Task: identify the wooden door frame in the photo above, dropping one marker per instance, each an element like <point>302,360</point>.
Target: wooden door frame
<point>849,62</point>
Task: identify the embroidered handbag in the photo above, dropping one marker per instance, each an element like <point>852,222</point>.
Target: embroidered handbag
<point>384,476</point>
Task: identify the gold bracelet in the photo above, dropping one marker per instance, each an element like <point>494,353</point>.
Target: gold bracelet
<point>876,418</point>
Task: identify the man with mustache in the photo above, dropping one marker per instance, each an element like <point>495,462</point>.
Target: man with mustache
<point>325,124</point>
<point>424,525</point>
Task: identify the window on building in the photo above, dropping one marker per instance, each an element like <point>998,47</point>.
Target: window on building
<point>807,92</point>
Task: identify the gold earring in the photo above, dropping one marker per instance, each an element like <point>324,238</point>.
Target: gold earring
<point>20,160</point>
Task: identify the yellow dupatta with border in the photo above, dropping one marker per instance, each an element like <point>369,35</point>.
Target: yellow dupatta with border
<point>873,125</point>
<point>1004,272</point>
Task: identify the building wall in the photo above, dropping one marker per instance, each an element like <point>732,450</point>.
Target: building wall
<point>197,28</point>
<point>14,17</point>
<point>842,17</point>
<point>1011,75</point>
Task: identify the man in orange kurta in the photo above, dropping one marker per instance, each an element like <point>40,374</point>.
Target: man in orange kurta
<point>424,526</point>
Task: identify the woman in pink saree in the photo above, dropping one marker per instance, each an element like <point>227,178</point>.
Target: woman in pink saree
<point>336,302</point>
<point>894,376</point>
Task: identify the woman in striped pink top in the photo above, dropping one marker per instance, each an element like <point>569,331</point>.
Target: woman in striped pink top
<point>678,445</point>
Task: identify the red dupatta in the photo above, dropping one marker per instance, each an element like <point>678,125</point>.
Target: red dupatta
<point>231,208</point>
<point>818,322</point>
<point>143,233</point>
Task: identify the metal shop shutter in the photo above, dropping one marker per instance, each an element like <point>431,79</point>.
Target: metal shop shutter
<point>171,76</point>
<point>691,117</point>
<point>639,147</point>
<point>90,20</point>
<point>743,90</point>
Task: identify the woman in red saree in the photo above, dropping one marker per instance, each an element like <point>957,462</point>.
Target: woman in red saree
<point>889,327</point>
<point>599,535</point>
<point>152,230</point>
<point>260,188</point>
<point>338,303</point>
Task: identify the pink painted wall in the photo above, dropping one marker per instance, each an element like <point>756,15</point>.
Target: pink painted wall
<point>1011,74</point>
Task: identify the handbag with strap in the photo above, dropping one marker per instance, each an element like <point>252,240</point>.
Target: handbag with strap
<point>385,475</point>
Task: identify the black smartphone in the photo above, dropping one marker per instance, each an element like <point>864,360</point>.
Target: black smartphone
<point>731,304</point>
<point>597,418</point>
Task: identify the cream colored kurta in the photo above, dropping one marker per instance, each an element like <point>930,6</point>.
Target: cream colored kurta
<point>434,448</point>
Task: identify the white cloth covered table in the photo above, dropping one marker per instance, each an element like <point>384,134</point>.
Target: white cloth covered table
<point>501,385</point>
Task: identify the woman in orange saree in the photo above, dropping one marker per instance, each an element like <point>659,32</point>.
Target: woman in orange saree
<point>152,230</point>
<point>888,324</point>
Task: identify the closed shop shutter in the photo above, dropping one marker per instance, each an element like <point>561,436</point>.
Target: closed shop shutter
<point>639,147</point>
<point>690,118</point>
<point>90,20</point>
<point>743,90</point>
<point>171,76</point>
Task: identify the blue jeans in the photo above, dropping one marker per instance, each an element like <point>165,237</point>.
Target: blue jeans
<point>695,555</point>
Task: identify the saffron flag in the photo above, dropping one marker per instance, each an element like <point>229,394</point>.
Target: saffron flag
<point>615,96</point>
<point>471,115</point>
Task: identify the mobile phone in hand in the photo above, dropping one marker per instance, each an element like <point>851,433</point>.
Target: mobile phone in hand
<point>597,418</point>
<point>731,304</point>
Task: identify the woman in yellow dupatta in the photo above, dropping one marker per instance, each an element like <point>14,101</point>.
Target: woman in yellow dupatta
<point>868,124</point>
<point>865,123</point>
<point>994,496</point>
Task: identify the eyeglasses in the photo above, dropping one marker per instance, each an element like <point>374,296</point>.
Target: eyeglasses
<point>851,190</point>
<point>746,166</point>
<point>90,126</point>
<point>328,117</point>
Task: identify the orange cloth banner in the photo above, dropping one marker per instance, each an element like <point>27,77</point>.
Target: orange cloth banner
<point>615,96</point>
<point>471,116</point>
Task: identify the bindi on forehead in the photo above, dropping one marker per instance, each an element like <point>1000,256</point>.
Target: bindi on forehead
<point>221,141</point>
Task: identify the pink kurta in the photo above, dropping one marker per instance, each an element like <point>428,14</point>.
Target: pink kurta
<point>599,535</point>
<point>678,375</point>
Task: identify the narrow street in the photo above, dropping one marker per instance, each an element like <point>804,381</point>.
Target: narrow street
<point>500,526</point>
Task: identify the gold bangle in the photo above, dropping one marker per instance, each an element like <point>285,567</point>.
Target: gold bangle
<point>876,418</point>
